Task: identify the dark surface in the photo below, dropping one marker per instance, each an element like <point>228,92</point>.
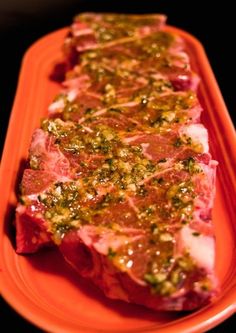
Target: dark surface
<point>14,323</point>
<point>23,22</point>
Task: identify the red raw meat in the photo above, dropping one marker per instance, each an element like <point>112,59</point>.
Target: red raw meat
<point>90,30</point>
<point>121,178</point>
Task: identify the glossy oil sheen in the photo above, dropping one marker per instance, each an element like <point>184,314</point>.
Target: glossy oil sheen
<point>46,291</point>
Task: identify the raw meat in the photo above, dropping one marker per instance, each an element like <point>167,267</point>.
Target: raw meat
<point>120,176</point>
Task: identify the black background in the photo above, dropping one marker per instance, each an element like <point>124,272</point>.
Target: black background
<point>22,22</point>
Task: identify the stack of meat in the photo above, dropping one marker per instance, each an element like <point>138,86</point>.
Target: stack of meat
<point>120,177</point>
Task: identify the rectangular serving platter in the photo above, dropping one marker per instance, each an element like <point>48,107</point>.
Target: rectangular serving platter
<point>41,287</point>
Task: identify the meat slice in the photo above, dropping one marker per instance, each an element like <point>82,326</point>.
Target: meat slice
<point>178,288</point>
<point>90,31</point>
<point>157,64</point>
<point>146,108</point>
<point>154,204</point>
<point>120,177</point>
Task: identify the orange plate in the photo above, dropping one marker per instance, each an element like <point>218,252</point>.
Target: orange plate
<point>41,287</point>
